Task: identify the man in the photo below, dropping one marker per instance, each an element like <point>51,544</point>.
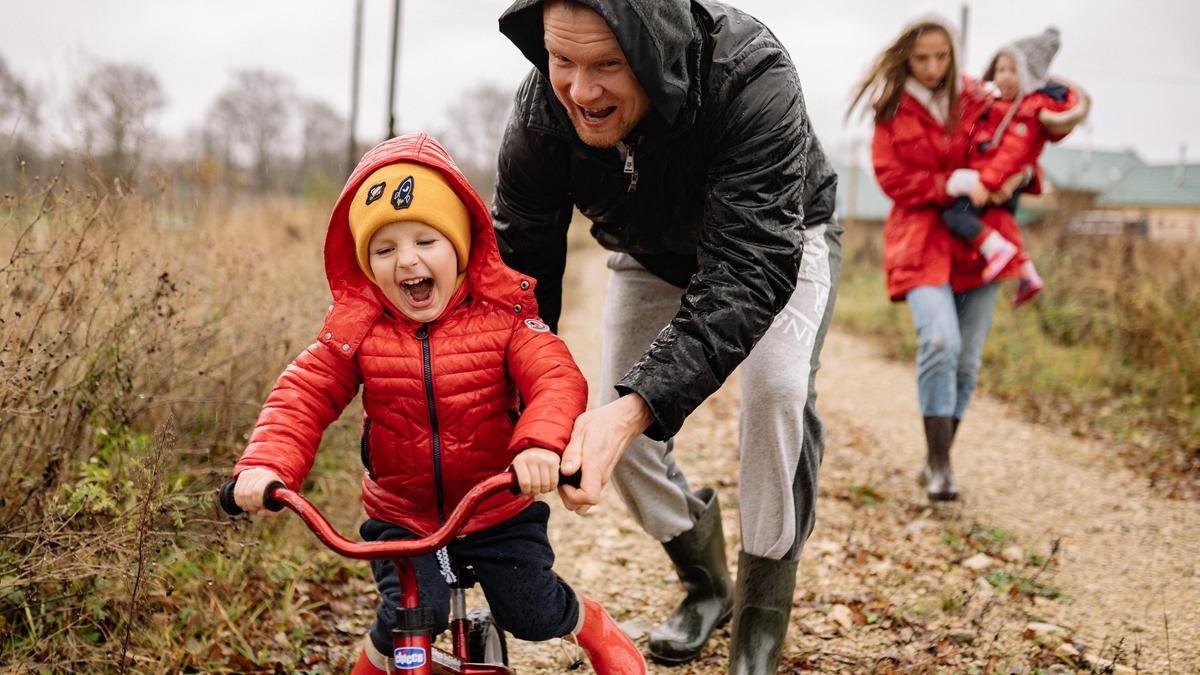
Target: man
<point>679,129</point>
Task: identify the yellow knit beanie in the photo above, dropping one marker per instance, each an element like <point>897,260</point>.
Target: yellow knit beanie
<point>408,191</point>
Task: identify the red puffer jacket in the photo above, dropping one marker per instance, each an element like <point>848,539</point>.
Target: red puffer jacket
<point>913,156</point>
<point>1019,147</point>
<point>1023,139</point>
<point>441,399</point>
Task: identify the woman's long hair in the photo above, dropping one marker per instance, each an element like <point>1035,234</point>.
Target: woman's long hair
<point>884,82</point>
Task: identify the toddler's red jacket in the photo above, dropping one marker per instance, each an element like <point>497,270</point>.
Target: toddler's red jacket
<point>441,400</point>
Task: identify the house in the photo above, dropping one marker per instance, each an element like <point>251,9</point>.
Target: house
<point>1098,192</point>
<point>1165,198</point>
<point>1115,192</point>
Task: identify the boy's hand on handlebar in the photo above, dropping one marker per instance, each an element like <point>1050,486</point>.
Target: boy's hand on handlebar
<point>537,470</point>
<point>248,492</point>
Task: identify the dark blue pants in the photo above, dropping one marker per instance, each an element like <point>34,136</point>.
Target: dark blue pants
<point>512,562</point>
<point>963,218</point>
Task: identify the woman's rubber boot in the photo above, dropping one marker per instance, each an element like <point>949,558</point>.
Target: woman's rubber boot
<point>365,666</point>
<point>699,559</point>
<point>609,650</point>
<point>936,477</point>
<point>761,609</point>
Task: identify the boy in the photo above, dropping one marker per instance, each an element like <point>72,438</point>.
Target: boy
<point>445,341</point>
<point>1028,111</point>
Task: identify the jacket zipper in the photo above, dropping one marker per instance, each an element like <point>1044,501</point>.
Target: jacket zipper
<point>627,152</point>
<point>423,335</point>
<point>364,447</point>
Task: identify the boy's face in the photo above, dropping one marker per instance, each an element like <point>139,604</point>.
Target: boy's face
<point>416,268</point>
<point>590,76</point>
<point>1007,80</point>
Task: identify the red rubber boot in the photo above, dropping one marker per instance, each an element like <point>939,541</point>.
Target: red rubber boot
<point>610,651</point>
<point>365,667</point>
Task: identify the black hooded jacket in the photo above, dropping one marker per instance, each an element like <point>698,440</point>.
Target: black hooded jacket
<point>726,174</point>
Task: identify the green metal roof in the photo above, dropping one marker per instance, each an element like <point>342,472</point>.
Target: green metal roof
<point>1159,185</point>
<point>1088,170</point>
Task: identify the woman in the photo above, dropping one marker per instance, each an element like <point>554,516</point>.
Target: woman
<point>923,114</point>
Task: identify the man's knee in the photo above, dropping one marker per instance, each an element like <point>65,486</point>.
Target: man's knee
<point>778,385</point>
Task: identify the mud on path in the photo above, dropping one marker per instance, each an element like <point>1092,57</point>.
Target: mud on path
<point>1057,557</point>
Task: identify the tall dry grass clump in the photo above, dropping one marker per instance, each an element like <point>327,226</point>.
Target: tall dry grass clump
<point>138,335</point>
<point>1111,347</point>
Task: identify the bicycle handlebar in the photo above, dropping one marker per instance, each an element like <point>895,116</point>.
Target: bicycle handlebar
<point>277,496</point>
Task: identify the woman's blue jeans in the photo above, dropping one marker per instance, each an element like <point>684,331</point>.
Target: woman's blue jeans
<point>951,329</point>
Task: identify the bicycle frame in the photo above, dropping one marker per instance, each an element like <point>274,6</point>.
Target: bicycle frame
<point>412,648</point>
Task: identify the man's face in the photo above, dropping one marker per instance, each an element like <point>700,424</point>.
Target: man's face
<point>590,75</point>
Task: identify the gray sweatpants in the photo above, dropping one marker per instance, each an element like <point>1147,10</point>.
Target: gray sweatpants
<point>781,436</point>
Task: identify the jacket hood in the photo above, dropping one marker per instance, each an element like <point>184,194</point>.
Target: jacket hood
<point>1032,56</point>
<point>955,50</point>
<point>357,302</point>
<point>654,35</point>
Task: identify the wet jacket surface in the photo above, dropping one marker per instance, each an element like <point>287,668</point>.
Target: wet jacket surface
<point>440,399</point>
<point>726,172</point>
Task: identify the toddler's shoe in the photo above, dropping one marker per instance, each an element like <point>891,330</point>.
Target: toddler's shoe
<point>997,253</point>
<point>1028,286</point>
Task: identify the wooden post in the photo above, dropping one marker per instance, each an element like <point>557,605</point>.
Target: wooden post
<point>355,67</point>
<point>395,62</point>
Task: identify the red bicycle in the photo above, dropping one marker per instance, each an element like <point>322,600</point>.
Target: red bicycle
<point>479,645</point>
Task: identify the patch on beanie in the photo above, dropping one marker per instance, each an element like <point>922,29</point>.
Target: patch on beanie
<point>375,192</point>
<point>536,326</point>
<point>403,196</point>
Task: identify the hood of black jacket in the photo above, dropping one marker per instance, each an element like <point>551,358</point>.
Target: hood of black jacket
<point>653,34</point>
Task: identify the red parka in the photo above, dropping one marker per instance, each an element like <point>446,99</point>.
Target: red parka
<point>913,155</point>
<point>442,399</point>
<point>1023,140</point>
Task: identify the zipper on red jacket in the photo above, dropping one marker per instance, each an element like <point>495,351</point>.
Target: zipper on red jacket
<point>364,447</point>
<point>435,434</point>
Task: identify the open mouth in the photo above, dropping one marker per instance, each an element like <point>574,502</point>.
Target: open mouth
<point>418,291</point>
<point>596,115</point>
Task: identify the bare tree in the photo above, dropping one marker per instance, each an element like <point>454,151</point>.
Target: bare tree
<point>114,104</point>
<point>250,118</point>
<point>323,142</point>
<point>476,126</point>
<point>18,124</point>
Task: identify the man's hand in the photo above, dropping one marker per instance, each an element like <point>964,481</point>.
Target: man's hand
<point>248,491</point>
<point>537,470</point>
<point>599,438</point>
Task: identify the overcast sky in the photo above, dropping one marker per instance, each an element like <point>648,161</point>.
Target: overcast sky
<point>1139,60</point>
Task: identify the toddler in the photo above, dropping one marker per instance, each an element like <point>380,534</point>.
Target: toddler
<point>460,381</point>
<point>1028,111</point>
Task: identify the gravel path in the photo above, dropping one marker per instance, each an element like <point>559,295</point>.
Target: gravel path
<point>889,584</point>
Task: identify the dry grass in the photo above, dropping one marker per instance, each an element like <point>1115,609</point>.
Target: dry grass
<point>1110,347</point>
<point>140,331</point>
<point>124,313</point>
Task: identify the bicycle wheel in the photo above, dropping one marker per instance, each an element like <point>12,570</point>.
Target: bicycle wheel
<point>485,640</point>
